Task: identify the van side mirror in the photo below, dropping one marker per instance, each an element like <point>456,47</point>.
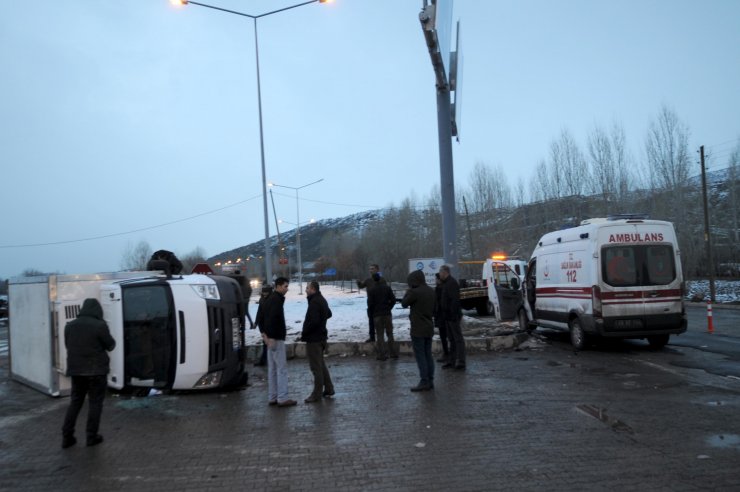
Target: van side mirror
<point>515,283</point>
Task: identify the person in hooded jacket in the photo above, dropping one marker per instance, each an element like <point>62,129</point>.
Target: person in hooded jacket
<point>315,335</point>
<point>452,312</point>
<point>421,299</point>
<point>88,340</point>
<point>381,299</point>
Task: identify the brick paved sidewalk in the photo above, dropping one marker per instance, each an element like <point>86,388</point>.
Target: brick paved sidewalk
<point>510,422</point>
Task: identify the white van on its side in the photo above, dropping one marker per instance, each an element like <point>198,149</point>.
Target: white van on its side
<point>615,277</point>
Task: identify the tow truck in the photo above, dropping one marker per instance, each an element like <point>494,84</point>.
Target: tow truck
<point>492,286</point>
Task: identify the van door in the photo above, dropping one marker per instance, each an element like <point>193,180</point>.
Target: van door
<point>149,335</point>
<point>110,300</point>
<point>530,289</point>
<point>506,289</point>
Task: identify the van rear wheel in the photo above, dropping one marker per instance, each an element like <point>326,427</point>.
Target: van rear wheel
<point>578,337</point>
<point>658,341</point>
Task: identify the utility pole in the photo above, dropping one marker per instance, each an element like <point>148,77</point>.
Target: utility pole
<point>470,233</point>
<point>707,231</point>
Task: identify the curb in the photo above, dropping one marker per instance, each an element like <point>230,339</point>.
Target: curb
<point>703,305</point>
<point>344,349</point>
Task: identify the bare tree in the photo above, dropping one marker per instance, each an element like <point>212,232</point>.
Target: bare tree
<point>519,192</point>
<point>602,165</point>
<point>189,260</point>
<point>733,192</point>
<point>135,257</point>
<point>667,152</point>
<point>543,189</point>
<point>621,159</point>
<point>568,167</point>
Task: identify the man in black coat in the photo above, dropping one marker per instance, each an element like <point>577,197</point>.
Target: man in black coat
<point>88,340</point>
<point>380,300</point>
<point>368,284</point>
<point>452,314</point>
<point>315,335</point>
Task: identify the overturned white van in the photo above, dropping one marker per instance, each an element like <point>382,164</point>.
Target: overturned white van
<point>613,277</point>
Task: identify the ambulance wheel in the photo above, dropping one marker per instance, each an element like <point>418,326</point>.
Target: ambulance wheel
<point>658,341</point>
<point>578,337</point>
<point>523,323</point>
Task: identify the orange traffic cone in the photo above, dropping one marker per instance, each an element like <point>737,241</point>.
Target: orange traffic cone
<point>710,325</point>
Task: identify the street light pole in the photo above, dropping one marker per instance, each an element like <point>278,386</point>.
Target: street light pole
<point>298,228</point>
<point>268,251</point>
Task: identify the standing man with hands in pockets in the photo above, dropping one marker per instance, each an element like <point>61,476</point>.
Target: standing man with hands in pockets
<point>315,335</point>
<point>271,322</point>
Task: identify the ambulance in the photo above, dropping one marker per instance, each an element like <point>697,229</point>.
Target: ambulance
<point>610,277</point>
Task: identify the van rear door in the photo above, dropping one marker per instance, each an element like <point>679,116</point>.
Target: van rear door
<point>110,300</point>
<point>640,275</point>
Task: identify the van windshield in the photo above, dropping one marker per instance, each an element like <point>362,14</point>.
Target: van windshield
<point>636,265</point>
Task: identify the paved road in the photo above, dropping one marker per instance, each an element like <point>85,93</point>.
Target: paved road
<point>619,417</point>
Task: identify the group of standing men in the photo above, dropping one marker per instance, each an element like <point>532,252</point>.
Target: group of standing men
<point>438,307</point>
<point>271,322</point>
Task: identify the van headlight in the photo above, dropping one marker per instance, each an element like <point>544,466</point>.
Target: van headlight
<point>206,291</point>
<point>210,380</point>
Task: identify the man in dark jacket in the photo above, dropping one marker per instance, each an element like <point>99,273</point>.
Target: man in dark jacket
<point>439,321</point>
<point>452,314</point>
<point>380,299</point>
<point>88,340</point>
<point>368,284</point>
<point>271,323</point>
<point>315,335</point>
<point>258,320</point>
<point>421,299</point>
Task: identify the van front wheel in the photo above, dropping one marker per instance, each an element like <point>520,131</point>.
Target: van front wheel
<point>578,337</point>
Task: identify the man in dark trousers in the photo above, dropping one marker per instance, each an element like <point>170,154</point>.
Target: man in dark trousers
<point>439,321</point>
<point>88,340</point>
<point>452,314</point>
<point>272,327</point>
<point>380,299</point>
<point>315,335</point>
<point>421,299</point>
<point>368,284</point>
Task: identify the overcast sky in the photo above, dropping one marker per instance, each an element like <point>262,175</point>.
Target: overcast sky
<point>137,120</point>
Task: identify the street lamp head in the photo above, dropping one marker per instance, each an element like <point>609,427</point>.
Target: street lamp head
<point>182,2</point>
<point>326,1</point>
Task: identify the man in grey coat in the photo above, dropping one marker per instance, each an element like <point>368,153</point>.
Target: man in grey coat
<point>88,340</point>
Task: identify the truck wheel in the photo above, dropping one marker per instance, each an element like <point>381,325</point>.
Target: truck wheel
<point>578,337</point>
<point>482,309</point>
<point>523,323</point>
<point>658,341</point>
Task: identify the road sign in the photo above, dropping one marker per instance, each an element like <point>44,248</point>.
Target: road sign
<point>203,269</point>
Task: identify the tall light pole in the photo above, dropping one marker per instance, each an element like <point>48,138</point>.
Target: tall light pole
<point>298,227</point>
<point>268,252</point>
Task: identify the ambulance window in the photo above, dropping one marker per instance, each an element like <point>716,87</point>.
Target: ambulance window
<point>624,266</point>
<point>619,267</point>
<point>660,265</point>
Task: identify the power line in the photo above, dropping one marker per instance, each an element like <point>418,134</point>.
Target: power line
<point>330,203</point>
<point>115,234</point>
